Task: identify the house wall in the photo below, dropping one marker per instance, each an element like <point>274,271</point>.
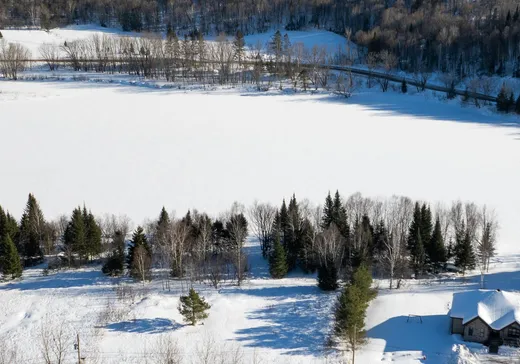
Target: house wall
<point>504,334</point>
<point>456,326</point>
<point>480,331</point>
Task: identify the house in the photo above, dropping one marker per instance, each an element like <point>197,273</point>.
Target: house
<point>486,316</point>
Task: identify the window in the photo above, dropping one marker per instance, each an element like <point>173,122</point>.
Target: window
<point>514,333</point>
<point>481,332</point>
<point>470,331</point>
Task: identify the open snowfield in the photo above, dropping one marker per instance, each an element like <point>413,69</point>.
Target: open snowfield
<point>154,147</point>
<point>33,39</point>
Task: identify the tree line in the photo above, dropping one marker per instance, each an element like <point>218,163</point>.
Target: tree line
<point>395,238</point>
<point>458,37</point>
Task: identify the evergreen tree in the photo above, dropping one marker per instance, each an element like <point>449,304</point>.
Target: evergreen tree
<point>404,87</point>
<point>351,306</point>
<point>31,231</point>
<point>502,100</point>
<point>511,102</point>
<point>92,234</point>
<point>340,216</point>
<point>193,307</point>
<point>464,254</point>
<point>292,234</point>
<point>138,241</point>
<point>436,248</point>
<point>10,263</point>
<point>75,235</point>
<point>239,45</point>
<point>517,105</point>
<point>426,228</point>
<point>3,222</point>
<point>278,260</point>
<point>1,35</point>
<point>328,276</point>
<point>328,211</point>
<point>415,243</point>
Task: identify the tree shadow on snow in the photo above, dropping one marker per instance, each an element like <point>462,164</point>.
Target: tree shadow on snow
<point>145,326</point>
<point>67,279</point>
<point>298,324</point>
<point>406,336</point>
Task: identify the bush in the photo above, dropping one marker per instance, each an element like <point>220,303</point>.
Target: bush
<point>113,266</point>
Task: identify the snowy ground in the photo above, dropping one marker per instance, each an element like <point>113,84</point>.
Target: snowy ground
<point>33,39</point>
<point>276,321</point>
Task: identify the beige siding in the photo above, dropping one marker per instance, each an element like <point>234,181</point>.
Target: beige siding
<point>456,326</point>
<point>476,330</point>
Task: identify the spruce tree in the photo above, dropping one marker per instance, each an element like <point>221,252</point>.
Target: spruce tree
<point>404,87</point>
<point>75,235</point>
<point>293,234</point>
<point>32,230</point>
<point>239,45</point>
<point>436,248</point>
<point>502,100</point>
<point>10,263</point>
<point>278,260</point>
<point>193,307</point>
<point>426,230</point>
<point>351,306</point>
<point>464,253</point>
<point>517,105</point>
<point>138,241</point>
<point>92,234</point>
<point>328,276</point>
<point>415,243</point>
<point>511,102</point>
<point>328,211</point>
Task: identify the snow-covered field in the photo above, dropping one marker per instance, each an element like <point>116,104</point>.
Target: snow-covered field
<point>147,147</point>
<point>33,39</point>
<point>130,150</point>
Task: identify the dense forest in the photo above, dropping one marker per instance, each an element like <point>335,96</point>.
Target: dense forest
<point>460,37</point>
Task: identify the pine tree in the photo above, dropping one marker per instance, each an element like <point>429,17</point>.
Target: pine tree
<point>404,87</point>
<point>511,102</point>
<point>436,248</point>
<point>351,306</point>
<point>415,243</point>
<point>193,307</point>
<point>278,260</point>
<point>139,241</point>
<point>464,254</point>
<point>517,105</point>
<point>426,230</point>
<point>75,235</point>
<point>293,234</point>
<point>239,45</point>
<point>502,100</point>
<point>10,263</point>
<point>92,234</point>
<point>32,231</point>
<point>328,276</point>
<point>328,211</point>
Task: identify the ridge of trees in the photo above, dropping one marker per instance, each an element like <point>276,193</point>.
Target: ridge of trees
<point>455,37</point>
<point>395,238</point>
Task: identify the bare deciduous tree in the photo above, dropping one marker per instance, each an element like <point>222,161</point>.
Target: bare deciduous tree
<point>50,53</point>
<point>261,216</point>
<point>13,59</point>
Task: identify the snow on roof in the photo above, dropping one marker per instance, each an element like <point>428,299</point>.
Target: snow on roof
<point>496,308</point>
